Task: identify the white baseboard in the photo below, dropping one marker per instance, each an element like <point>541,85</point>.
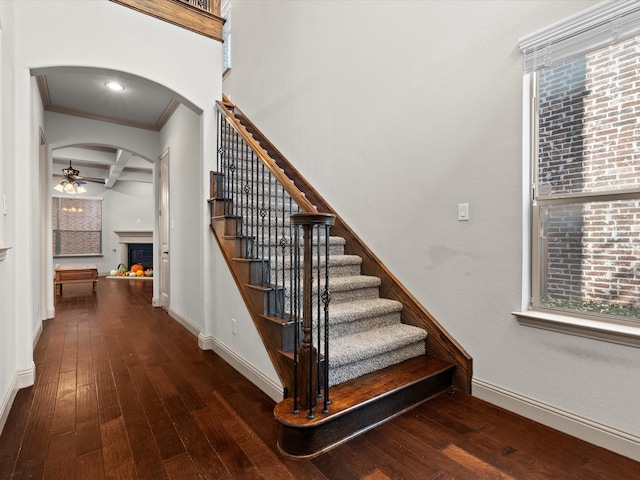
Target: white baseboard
<point>21,379</point>
<point>618,441</point>
<point>7,401</point>
<point>185,322</point>
<point>259,379</point>
<point>51,312</point>
<point>36,334</point>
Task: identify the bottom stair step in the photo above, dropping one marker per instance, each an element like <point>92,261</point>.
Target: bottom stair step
<point>361,404</point>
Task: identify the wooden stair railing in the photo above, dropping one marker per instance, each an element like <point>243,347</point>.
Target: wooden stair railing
<point>186,14</point>
<point>356,405</point>
<point>441,344</point>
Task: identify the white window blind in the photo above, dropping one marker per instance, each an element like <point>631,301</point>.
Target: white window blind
<point>604,24</point>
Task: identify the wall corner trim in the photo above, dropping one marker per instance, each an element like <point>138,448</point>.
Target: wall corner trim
<point>618,441</point>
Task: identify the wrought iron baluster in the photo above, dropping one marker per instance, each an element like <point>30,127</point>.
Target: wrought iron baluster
<point>295,314</point>
<point>326,299</point>
<point>262,212</point>
<point>317,301</point>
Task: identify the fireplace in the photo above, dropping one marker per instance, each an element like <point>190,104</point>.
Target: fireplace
<point>141,253</point>
<point>137,247</point>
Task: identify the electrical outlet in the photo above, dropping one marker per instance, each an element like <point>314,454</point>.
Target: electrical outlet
<point>234,326</point>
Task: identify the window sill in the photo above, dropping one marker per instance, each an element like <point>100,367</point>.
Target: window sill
<point>3,252</point>
<point>80,255</point>
<point>614,332</point>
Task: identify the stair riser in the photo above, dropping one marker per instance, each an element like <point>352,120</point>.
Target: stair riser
<point>357,326</point>
<point>340,297</point>
<point>225,226</point>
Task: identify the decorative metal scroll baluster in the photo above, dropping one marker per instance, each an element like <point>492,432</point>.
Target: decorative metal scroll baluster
<point>201,4</point>
<point>269,222</point>
<point>309,373</point>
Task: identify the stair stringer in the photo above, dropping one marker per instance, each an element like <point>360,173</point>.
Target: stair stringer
<point>441,344</point>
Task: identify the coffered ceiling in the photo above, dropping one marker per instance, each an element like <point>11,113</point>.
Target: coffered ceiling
<point>82,92</point>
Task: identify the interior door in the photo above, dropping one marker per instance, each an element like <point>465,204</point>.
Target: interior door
<point>164,225</point>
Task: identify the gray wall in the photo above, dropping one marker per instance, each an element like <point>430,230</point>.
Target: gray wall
<point>397,111</point>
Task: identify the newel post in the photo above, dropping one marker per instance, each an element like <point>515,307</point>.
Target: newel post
<point>307,375</point>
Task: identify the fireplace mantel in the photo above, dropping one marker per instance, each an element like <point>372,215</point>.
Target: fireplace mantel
<point>134,236</point>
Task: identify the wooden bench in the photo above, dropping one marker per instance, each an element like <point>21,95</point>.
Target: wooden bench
<point>75,274</point>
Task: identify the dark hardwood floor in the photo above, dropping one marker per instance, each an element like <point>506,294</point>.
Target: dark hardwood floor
<point>124,392</point>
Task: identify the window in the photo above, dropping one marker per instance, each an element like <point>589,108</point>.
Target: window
<point>77,226</point>
<point>226,36</point>
<point>584,78</point>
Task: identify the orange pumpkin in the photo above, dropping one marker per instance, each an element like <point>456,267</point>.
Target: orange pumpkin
<point>136,267</point>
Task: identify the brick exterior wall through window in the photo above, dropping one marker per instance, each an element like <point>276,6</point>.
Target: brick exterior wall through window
<point>589,141</point>
<point>77,226</point>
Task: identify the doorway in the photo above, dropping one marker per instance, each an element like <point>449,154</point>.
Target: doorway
<point>164,228</point>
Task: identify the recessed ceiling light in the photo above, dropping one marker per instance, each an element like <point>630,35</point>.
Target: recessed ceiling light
<point>118,87</point>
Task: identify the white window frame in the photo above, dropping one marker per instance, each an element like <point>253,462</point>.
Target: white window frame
<point>86,254</point>
<point>225,12</point>
<point>605,23</point>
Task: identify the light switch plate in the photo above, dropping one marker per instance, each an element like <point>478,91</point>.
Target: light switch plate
<point>463,212</point>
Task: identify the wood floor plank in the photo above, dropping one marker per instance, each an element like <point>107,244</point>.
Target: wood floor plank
<point>15,427</point>
<point>360,465</point>
<point>88,437</point>
<point>7,465</point>
<point>265,460</point>
<point>164,430</point>
<point>196,443</point>
<point>160,381</point>
<point>61,457</point>
<point>481,468</point>
<point>389,463</point>
<point>85,371</point>
<point>34,449</point>
<point>64,414</point>
<point>144,449</point>
<point>141,380</point>
<point>181,467</point>
<point>90,466</point>
<point>116,450</point>
<point>332,467</point>
<point>105,384</point>
<point>427,453</point>
<point>377,475</point>
<point>233,457</point>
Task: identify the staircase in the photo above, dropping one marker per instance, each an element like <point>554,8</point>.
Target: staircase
<point>386,352</point>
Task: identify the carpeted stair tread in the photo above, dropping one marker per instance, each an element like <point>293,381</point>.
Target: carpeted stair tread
<point>357,347</point>
<point>362,310</point>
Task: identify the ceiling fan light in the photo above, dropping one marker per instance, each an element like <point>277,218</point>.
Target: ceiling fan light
<point>115,86</point>
<point>81,189</point>
<point>59,187</point>
<point>68,188</point>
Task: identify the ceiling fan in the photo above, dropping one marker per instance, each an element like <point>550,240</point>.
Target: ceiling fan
<point>72,182</point>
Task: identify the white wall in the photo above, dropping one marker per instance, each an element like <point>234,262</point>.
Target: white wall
<point>122,207</point>
<point>8,327</point>
<point>396,111</point>
<point>181,137</point>
<point>43,33</point>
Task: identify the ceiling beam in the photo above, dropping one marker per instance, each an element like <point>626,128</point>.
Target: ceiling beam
<point>122,157</point>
